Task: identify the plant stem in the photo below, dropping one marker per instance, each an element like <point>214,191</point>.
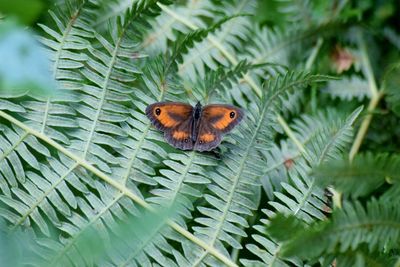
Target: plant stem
<point>314,53</point>
<point>375,97</point>
<point>309,63</point>
<point>290,134</point>
<point>364,126</point>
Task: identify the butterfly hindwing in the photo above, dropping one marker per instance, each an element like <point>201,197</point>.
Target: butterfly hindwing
<point>181,135</point>
<point>207,137</point>
<point>175,120</point>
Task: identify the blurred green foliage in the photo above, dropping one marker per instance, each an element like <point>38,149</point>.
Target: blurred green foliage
<point>25,65</point>
<point>25,11</point>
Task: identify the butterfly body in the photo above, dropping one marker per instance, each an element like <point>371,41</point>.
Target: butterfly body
<point>193,128</point>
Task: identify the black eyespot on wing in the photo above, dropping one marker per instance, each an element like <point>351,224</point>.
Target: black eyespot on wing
<point>232,115</point>
<point>158,111</point>
<point>186,140</point>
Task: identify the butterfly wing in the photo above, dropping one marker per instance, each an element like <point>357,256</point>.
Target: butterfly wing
<point>175,120</point>
<point>216,120</point>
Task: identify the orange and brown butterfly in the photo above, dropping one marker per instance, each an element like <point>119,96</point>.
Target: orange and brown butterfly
<point>193,128</point>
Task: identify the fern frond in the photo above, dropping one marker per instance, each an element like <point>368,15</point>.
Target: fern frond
<point>97,91</point>
<point>362,257</point>
<point>390,85</point>
<point>176,19</point>
<point>305,197</point>
<point>208,53</point>
<point>111,196</point>
<point>182,46</point>
<point>275,45</point>
<point>295,11</point>
<point>365,173</point>
<point>286,157</point>
<point>349,89</point>
<point>231,196</point>
<point>219,48</point>
<point>300,196</point>
<point>376,226</point>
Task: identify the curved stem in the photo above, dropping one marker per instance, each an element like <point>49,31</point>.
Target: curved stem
<point>375,98</point>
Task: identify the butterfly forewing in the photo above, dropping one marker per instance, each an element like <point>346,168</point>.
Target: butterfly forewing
<point>222,117</point>
<point>167,115</point>
<point>176,120</point>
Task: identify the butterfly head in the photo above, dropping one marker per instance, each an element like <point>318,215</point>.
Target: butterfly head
<point>198,105</point>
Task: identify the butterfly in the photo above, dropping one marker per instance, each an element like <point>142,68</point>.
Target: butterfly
<point>193,128</point>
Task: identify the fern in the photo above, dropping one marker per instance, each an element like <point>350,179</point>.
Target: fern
<point>391,86</point>
<point>294,11</point>
<point>349,229</point>
<point>301,197</point>
<point>348,89</point>
<point>181,47</point>
<point>77,165</point>
<point>360,177</point>
<point>286,159</point>
<point>229,198</point>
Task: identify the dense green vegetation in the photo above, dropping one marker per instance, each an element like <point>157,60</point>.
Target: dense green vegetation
<point>308,178</point>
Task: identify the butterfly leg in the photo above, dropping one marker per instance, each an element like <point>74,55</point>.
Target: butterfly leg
<point>216,152</point>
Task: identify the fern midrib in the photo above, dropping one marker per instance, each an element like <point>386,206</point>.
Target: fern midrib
<point>183,175</point>
<point>361,225</point>
<point>82,230</point>
<point>274,257</point>
<point>56,62</point>
<point>150,39</point>
<point>44,195</point>
<point>104,93</point>
<point>134,155</point>
<point>142,245</point>
<point>142,138</point>
<point>236,180</point>
<point>14,146</point>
